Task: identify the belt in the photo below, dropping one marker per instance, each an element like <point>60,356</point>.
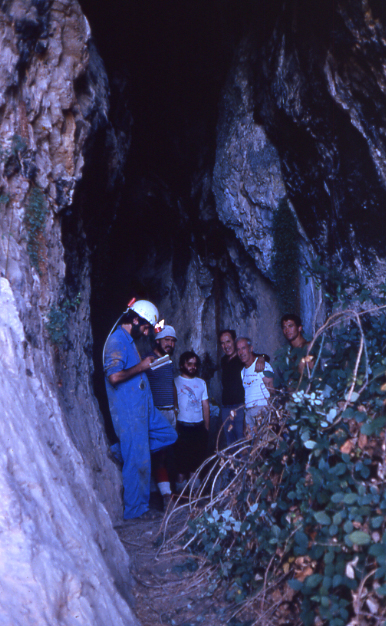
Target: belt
<point>190,424</point>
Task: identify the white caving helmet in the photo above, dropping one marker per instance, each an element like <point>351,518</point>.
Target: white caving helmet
<point>166,331</point>
<point>145,309</point>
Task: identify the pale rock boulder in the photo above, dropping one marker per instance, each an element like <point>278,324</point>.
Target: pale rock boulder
<point>51,568</point>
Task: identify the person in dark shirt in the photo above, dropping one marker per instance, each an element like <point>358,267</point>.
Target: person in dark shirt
<point>293,361</point>
<point>232,387</point>
<point>164,393</point>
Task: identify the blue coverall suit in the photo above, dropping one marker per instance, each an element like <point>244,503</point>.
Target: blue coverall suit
<point>139,426</point>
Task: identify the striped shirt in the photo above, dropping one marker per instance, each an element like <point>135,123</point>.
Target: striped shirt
<point>161,384</point>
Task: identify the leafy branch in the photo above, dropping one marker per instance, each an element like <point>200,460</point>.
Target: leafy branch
<point>295,514</point>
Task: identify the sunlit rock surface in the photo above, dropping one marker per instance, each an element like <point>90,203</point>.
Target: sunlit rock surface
<point>55,536</point>
<point>60,557</point>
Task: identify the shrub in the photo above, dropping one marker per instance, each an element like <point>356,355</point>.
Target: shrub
<point>304,505</point>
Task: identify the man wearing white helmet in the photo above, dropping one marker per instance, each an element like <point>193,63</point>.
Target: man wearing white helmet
<point>139,426</point>
<point>165,399</point>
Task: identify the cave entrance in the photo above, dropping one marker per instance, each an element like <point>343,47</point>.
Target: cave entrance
<point>146,199</point>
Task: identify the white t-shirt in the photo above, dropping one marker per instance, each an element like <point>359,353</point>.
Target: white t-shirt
<point>191,392</point>
<point>256,393</point>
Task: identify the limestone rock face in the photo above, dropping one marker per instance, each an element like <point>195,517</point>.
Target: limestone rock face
<point>54,532</point>
<point>248,183</point>
<point>61,559</point>
<point>319,91</point>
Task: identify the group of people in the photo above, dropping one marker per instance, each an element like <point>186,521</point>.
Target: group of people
<point>155,414</point>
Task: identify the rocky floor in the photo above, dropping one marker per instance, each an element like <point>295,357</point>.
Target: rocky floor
<point>172,587</point>
<point>166,590</point>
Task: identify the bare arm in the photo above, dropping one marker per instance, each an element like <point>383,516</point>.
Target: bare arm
<point>268,382</point>
<point>120,377</point>
<point>175,397</point>
<point>260,364</point>
<point>205,413</point>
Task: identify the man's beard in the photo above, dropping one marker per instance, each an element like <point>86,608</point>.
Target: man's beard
<point>169,351</point>
<point>136,332</point>
<point>189,374</point>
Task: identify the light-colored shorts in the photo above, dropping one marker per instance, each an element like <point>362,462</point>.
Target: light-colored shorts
<point>253,414</point>
<point>170,416</point>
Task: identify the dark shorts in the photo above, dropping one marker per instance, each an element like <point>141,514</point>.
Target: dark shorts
<point>191,446</point>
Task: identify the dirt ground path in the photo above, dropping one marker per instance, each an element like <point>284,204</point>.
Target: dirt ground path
<point>166,591</point>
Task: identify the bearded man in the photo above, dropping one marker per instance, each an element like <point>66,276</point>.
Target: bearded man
<point>193,418</point>
<point>139,426</point>
<point>165,399</point>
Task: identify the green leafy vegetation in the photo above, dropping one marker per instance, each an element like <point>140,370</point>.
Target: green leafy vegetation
<point>298,526</point>
<point>285,264</point>
<point>16,146</point>
<point>57,320</point>
<point>34,220</point>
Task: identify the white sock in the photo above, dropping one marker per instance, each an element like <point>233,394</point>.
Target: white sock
<point>164,489</point>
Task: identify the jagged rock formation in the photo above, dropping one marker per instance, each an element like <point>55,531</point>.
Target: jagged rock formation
<point>319,91</point>
<point>248,186</point>
<point>234,107</point>
<point>62,561</point>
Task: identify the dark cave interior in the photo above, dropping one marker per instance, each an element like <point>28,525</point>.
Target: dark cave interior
<point>166,70</point>
<point>146,198</point>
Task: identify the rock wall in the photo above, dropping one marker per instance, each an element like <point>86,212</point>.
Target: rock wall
<point>299,112</point>
<point>248,186</point>
<point>319,91</point>
<point>62,560</point>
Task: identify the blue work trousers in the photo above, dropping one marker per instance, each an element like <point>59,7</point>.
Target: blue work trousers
<point>142,429</point>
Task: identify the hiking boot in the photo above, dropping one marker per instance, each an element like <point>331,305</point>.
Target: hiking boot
<point>150,515</point>
<point>168,499</point>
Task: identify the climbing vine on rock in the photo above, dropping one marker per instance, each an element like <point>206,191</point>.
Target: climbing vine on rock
<point>34,220</point>
<point>57,320</point>
<point>285,264</point>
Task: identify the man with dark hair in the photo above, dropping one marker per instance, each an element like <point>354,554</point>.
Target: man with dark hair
<point>292,328</point>
<point>139,426</point>
<point>232,400</point>
<point>193,418</point>
<point>165,399</point>
<point>293,360</point>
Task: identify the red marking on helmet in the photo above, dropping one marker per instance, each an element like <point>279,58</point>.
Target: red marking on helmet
<point>132,301</point>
